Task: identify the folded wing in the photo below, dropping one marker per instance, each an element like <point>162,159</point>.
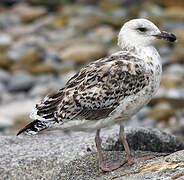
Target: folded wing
<point>95,91</point>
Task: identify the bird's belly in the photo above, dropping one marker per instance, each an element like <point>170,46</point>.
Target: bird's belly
<point>135,102</point>
<point>132,104</point>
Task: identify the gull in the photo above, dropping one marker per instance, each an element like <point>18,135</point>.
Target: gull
<point>107,91</point>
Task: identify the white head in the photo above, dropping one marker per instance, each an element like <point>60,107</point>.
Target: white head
<point>141,33</point>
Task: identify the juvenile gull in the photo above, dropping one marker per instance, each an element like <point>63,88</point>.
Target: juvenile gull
<point>108,91</point>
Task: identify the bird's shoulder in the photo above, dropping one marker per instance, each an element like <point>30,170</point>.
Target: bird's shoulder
<point>109,67</point>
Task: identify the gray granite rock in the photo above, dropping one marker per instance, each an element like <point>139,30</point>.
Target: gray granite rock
<point>59,155</point>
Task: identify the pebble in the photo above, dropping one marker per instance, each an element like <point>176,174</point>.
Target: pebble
<point>171,81</point>
<point>177,56</point>
<point>84,52</point>
<point>15,109</point>
<point>175,13</point>
<point>5,61</point>
<point>2,89</point>
<point>175,69</point>
<point>84,23</point>
<point>5,123</point>
<point>30,57</point>
<point>171,3</point>
<point>20,81</point>
<point>161,114</point>
<point>42,68</point>
<point>16,51</point>
<point>5,41</point>
<point>4,76</point>
<point>27,12</point>
<point>46,84</point>
<point>9,20</point>
<point>105,33</point>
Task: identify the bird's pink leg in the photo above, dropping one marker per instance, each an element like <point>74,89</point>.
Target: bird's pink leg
<point>102,166</point>
<point>127,149</point>
<point>113,166</point>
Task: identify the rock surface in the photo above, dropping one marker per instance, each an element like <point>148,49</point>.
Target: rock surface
<point>57,155</point>
<point>49,38</point>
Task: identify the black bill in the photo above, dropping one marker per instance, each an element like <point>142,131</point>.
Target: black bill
<point>167,36</point>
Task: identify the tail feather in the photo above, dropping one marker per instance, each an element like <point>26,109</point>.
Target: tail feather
<point>34,127</point>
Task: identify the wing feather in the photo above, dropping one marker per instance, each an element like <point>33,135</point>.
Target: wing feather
<point>96,90</point>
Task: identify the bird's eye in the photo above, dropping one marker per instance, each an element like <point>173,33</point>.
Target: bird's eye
<point>142,29</point>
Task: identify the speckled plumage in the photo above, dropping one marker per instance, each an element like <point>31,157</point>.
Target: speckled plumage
<point>96,91</point>
<point>106,91</point>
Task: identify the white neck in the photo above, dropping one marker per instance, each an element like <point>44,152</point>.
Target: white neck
<point>142,51</point>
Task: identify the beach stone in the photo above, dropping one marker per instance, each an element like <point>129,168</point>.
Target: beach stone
<point>175,13</point>
<point>5,41</point>
<point>2,90</point>
<point>42,68</point>
<point>30,57</point>
<point>175,102</point>
<point>161,114</point>
<point>42,88</point>
<point>177,55</point>
<point>53,59</point>
<point>9,20</point>
<point>40,91</point>
<point>171,3</point>
<point>176,69</point>
<point>45,78</point>
<point>57,155</point>
<point>84,23</point>
<point>110,4</point>
<point>25,61</point>
<point>59,21</point>
<point>71,10</point>
<point>20,81</point>
<point>5,61</point>
<point>171,81</point>
<point>5,123</point>
<point>84,52</point>
<point>7,97</point>
<point>28,13</point>
<point>17,50</point>
<point>22,30</point>
<point>17,108</point>
<point>105,33</point>
<point>113,21</point>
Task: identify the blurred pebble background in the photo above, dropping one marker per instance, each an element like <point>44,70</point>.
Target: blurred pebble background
<point>43,43</point>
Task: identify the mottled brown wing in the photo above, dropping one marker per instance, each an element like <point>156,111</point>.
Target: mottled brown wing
<point>96,90</point>
<point>48,106</point>
<point>94,114</point>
